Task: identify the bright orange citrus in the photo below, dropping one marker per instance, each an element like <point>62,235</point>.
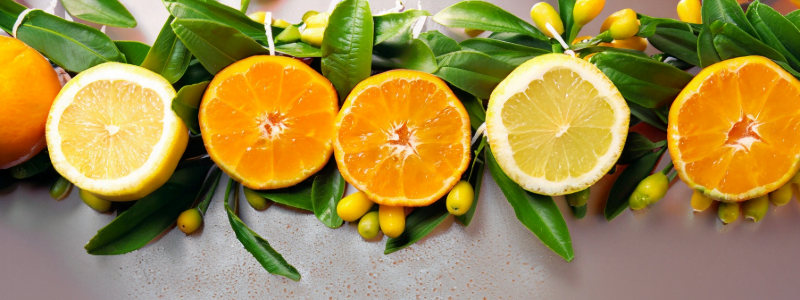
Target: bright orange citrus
<point>267,121</point>
<point>733,130</point>
<point>403,138</point>
<point>28,85</point>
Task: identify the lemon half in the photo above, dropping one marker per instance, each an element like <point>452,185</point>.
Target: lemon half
<point>111,131</point>
<point>556,124</point>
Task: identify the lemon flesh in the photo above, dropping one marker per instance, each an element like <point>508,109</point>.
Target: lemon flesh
<point>556,124</point>
<point>112,132</point>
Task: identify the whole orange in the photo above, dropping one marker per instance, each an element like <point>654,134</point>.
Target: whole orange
<point>28,86</point>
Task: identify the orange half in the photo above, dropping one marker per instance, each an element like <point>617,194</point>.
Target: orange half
<point>267,121</point>
<point>733,130</point>
<point>402,137</point>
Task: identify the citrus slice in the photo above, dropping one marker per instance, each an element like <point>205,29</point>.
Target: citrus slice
<point>556,124</point>
<point>733,130</point>
<point>112,131</point>
<point>267,121</point>
<point>402,137</point>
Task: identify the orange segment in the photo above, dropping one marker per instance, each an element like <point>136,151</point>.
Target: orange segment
<point>267,121</point>
<point>402,137</point>
<point>732,131</point>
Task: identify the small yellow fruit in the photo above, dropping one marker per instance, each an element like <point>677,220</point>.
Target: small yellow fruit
<point>543,13</point>
<point>392,220</point>
<point>317,21</point>
<point>281,23</point>
<point>309,14</point>
<point>700,202</point>
<point>459,200</point>
<point>633,43</point>
<point>354,206</point>
<point>689,11</point>
<point>312,36</point>
<point>649,191</point>
<point>621,25</point>
<point>369,225</point>
<point>586,10</point>
<point>258,16</point>
<point>190,220</point>
<point>782,195</point>
<point>796,178</point>
<point>756,209</point>
<point>96,203</point>
<point>578,199</point>
<point>473,32</point>
<point>255,200</point>
<point>728,212</point>
<point>60,189</point>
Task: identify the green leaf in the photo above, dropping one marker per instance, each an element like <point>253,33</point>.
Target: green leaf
<point>727,11</point>
<point>579,211</point>
<point>705,48</point>
<point>512,54</point>
<point>73,46</point>
<point>565,8</point>
<point>106,12</point>
<point>643,80</point>
<point>215,45</point>
<point>297,196</point>
<point>473,72</point>
<point>392,24</point>
<point>793,17</point>
<point>676,39</point>
<point>9,10</point>
<point>475,178</point>
<point>299,49</point>
<point>485,16</point>
<point>731,42</point>
<point>211,10</point>
<point>271,260</point>
<point>776,31</point>
<point>32,167</point>
<point>135,52</point>
<point>647,115</point>
<point>187,104</point>
<point>210,187</point>
<point>474,107</point>
<point>417,56</point>
<point>627,182</point>
<point>327,188</point>
<point>419,223</point>
<point>538,213</point>
<point>151,215</point>
<point>788,68</point>
<point>347,46</point>
<point>168,56</point>
<point>636,146</point>
<point>521,39</point>
<point>194,74</point>
<point>439,43</point>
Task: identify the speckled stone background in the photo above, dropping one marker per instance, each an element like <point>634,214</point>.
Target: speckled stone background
<point>666,252</point>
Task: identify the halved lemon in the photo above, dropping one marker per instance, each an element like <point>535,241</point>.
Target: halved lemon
<point>556,124</point>
<point>111,131</point>
<point>733,130</point>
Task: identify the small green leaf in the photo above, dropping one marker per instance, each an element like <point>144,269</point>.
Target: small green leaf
<point>538,213</point>
<point>390,25</point>
<point>106,12</point>
<point>215,45</point>
<point>210,187</point>
<point>475,178</point>
<point>347,46</point>
<point>627,182</point>
<point>299,49</point>
<point>271,260</point>
<point>636,146</point>
<point>705,48</point>
<point>297,196</point>
<point>439,43</point>
<point>194,74</point>
<point>647,115</point>
<point>473,72</point>
<point>474,106</point>
<point>73,46</point>
<point>794,17</point>
<point>151,215</point>
<point>32,167</point>
<point>520,39</point>
<point>211,10</point>
<point>579,211</point>
<point>135,52</point>
<point>485,16</point>
<point>417,56</point>
<point>565,8</point>
<point>676,39</point>
<point>731,42</point>
<point>509,53</point>
<point>168,56</point>
<point>727,11</point>
<point>776,31</point>
<point>643,80</point>
<point>419,223</point>
<point>9,10</point>
<point>327,188</point>
<point>187,104</point>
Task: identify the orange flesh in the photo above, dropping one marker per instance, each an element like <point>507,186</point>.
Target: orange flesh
<point>100,136</point>
<point>736,133</point>
<point>269,121</point>
<point>404,139</point>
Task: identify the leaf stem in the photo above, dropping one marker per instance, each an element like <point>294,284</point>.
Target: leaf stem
<point>213,180</point>
<point>668,168</point>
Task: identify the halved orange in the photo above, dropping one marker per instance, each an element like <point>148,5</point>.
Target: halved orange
<point>733,130</point>
<point>403,138</point>
<point>267,121</point>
